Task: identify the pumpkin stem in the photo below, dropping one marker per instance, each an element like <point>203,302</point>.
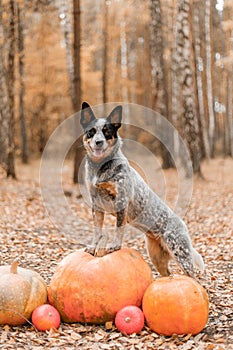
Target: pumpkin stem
<point>14,266</point>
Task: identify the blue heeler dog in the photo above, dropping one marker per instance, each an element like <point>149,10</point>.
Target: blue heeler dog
<point>115,187</point>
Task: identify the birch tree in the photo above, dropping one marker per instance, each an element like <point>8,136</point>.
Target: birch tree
<point>185,69</point>
<point>65,17</point>
<point>209,77</point>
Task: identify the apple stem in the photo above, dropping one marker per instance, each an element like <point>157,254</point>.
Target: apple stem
<point>127,319</point>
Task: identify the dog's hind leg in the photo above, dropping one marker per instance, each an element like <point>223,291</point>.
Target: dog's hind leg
<point>158,254</point>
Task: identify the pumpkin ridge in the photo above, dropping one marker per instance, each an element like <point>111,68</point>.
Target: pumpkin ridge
<point>137,274</point>
<point>203,295</point>
<point>36,284</point>
<point>7,300</point>
<point>183,296</point>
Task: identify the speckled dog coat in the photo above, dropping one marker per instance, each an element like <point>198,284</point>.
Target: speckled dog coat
<point>115,187</point>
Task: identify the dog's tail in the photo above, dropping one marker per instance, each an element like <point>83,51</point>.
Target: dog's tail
<point>198,260</point>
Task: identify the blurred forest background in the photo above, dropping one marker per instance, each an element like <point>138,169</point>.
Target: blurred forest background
<point>174,56</point>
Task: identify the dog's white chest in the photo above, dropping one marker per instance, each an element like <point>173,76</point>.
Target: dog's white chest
<point>94,181</point>
<point>103,194</point>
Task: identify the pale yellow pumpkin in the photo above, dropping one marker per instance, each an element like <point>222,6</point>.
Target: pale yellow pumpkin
<point>21,291</point>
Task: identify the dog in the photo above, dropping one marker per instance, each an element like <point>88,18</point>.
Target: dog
<point>115,187</point>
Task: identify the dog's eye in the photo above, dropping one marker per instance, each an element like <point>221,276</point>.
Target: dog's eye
<point>90,133</point>
<point>107,132</point>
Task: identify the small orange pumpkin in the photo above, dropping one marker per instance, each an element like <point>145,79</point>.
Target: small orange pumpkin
<point>176,305</point>
<point>21,291</point>
<point>92,289</point>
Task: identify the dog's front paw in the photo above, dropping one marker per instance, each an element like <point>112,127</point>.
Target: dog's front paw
<point>90,250</point>
<point>100,252</point>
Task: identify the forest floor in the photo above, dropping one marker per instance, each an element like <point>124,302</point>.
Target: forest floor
<point>26,232</point>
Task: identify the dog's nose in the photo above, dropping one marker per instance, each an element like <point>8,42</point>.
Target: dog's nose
<point>99,143</point>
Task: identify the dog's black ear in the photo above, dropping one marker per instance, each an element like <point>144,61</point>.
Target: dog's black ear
<point>115,117</point>
<point>87,115</point>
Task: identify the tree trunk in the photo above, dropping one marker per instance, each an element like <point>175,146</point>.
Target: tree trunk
<point>209,77</point>
<point>77,55</point>
<point>4,109</point>
<point>159,77</point>
<point>10,88</point>
<point>105,52</point>
<point>186,69</point>
<point>67,28</point>
<point>24,147</point>
<point>79,152</point>
<point>230,111</point>
<point>124,61</point>
<point>200,95</point>
<point>175,82</point>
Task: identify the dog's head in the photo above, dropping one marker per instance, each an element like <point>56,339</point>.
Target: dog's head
<point>100,135</point>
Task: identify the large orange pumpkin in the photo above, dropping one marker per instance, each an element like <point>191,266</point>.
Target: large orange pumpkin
<point>92,289</point>
<point>21,291</point>
<point>176,305</point>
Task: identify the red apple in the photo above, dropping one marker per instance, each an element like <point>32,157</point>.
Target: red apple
<point>130,319</point>
<point>45,317</point>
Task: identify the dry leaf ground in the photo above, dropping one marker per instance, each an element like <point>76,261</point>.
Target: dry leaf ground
<point>26,232</point>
